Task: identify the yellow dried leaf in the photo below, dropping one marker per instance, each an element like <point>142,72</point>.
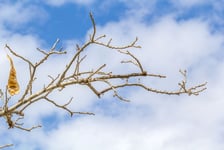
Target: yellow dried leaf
<point>13,86</point>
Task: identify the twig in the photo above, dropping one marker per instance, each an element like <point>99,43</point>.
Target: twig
<point>64,106</point>
<point>136,59</point>
<point>132,45</point>
<point>95,72</point>
<point>94,27</point>
<point>19,56</point>
<point>114,89</point>
<point>28,129</point>
<point>93,89</point>
<point>5,146</point>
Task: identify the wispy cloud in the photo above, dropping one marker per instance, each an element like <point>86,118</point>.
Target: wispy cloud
<point>62,2</point>
<point>17,14</point>
<point>190,3</point>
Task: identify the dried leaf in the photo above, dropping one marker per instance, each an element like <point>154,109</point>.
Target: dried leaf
<point>13,86</point>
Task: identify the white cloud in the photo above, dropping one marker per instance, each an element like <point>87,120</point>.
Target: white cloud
<point>190,3</point>
<point>133,8</point>
<point>193,3</point>
<point>126,135</point>
<point>138,9</point>
<point>13,15</point>
<point>62,2</point>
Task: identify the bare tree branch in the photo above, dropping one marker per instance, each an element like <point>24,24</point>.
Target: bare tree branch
<point>72,75</point>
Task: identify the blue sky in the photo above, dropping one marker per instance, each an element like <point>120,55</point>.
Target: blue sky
<point>174,34</point>
<point>69,20</point>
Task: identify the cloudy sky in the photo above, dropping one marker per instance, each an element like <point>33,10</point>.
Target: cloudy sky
<point>174,34</point>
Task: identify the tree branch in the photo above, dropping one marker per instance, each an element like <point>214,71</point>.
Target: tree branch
<point>72,75</point>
